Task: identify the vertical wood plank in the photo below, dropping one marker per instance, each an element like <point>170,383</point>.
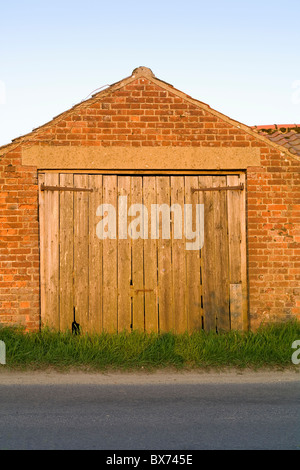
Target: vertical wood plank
<point>124,257</point>
<point>193,287</point>
<point>165,281</point>
<point>81,252</point>
<point>244,254</point>
<point>66,290</point>
<point>234,229</point>
<point>110,260</point>
<point>234,234</point>
<point>203,221</point>
<point>150,259</point>
<point>221,255</point>
<point>95,257</point>
<point>236,306</point>
<point>138,260</point>
<point>51,250</point>
<point>208,255</point>
<point>178,258</point>
<point>41,179</point>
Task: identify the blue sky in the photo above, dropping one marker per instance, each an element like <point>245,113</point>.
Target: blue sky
<point>242,58</point>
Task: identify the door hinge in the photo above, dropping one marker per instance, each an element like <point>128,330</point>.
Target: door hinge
<point>220,188</point>
<point>64,188</point>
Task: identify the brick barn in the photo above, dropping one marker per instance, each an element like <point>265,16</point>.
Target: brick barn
<point>143,143</point>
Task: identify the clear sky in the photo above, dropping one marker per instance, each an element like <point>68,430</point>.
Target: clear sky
<point>240,57</point>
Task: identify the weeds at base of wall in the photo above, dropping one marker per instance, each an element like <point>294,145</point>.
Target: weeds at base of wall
<point>269,346</point>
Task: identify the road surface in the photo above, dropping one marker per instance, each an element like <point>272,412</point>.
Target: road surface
<point>162,411</point>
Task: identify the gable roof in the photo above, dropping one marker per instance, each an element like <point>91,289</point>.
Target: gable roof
<point>287,135</point>
<point>140,72</point>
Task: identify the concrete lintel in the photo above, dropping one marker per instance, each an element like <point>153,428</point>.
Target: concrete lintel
<point>131,158</point>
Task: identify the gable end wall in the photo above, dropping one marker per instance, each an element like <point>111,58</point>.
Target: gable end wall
<point>143,114</point>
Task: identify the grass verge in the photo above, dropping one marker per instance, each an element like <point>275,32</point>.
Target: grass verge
<point>270,346</point>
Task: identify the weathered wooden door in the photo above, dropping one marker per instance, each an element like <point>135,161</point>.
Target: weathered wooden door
<point>123,252</point>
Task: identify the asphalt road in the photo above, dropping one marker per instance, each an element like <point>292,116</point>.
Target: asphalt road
<point>173,415</point>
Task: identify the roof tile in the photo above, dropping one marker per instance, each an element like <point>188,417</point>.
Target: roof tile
<point>287,135</point>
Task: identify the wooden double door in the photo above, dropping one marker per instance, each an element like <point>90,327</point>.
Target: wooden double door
<point>151,253</point>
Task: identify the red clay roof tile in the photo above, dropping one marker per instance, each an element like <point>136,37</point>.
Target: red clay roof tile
<point>287,135</point>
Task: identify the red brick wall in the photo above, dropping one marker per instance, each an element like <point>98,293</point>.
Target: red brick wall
<point>145,114</point>
<point>19,251</point>
<point>274,238</point>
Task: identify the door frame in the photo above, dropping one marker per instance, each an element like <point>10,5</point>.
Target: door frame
<point>244,321</point>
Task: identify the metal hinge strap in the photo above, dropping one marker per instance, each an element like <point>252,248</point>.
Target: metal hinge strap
<point>63,188</point>
<point>220,188</point>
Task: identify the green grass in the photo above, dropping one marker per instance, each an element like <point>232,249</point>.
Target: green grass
<point>270,346</point>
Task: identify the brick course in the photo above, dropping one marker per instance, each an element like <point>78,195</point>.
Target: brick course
<point>144,114</point>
